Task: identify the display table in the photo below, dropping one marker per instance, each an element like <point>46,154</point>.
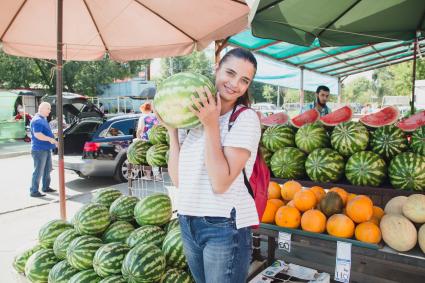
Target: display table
<point>369,263</point>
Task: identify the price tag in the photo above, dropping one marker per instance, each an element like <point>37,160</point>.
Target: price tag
<point>284,241</point>
<point>343,262</point>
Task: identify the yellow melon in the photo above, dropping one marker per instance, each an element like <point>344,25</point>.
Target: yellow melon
<point>398,232</point>
<point>421,238</point>
<point>395,205</point>
<point>414,208</point>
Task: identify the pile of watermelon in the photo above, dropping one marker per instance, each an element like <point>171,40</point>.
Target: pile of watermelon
<point>153,152</point>
<point>333,148</point>
<point>115,238</point>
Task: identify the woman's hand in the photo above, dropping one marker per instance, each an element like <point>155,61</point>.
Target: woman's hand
<point>207,109</point>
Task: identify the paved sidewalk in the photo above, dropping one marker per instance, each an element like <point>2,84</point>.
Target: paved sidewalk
<point>12,148</point>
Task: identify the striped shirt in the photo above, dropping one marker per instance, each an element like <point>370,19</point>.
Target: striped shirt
<point>195,194</point>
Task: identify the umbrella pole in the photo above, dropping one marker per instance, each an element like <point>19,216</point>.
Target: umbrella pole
<point>412,103</point>
<point>59,112</point>
<point>302,89</point>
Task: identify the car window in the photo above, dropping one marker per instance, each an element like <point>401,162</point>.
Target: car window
<point>86,127</point>
<point>120,128</point>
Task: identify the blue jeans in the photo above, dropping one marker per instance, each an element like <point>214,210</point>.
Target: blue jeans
<point>215,250</point>
<point>42,167</point>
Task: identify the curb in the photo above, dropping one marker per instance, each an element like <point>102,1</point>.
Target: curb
<point>13,154</point>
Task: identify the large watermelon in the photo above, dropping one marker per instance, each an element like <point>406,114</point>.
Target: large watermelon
<point>155,155</point>
<point>113,279</point>
<point>62,242</point>
<point>108,259</point>
<point>337,117</point>
<point>385,116</point>
<point>106,196</point>
<point>413,122</point>
<point>288,163</point>
<point>324,165</point>
<point>85,276</point>
<point>92,219</point>
<point>123,208</point>
<point>267,155</point>
<point>61,272</point>
<point>171,225</point>
<point>307,117</point>
<point>154,209</point>
<point>365,168</point>
<point>407,171</point>
<point>49,232</point>
<point>147,234</point>
<point>350,137</point>
<point>418,141</point>
<point>144,263</point>
<point>388,141</point>
<point>277,137</point>
<point>311,136</point>
<point>81,251</point>
<point>158,134</point>
<point>174,96</point>
<point>21,259</point>
<point>117,232</point>
<point>175,275</point>
<point>173,249</point>
<point>39,265</point>
<point>136,152</point>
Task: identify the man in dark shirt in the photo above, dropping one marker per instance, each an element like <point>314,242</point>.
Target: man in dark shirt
<point>42,143</point>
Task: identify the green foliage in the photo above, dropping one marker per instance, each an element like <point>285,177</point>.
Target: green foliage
<point>269,93</point>
<point>79,77</point>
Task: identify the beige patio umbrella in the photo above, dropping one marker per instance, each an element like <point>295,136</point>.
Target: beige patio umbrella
<point>124,29</point>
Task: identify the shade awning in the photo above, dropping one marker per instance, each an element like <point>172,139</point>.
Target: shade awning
<point>338,61</point>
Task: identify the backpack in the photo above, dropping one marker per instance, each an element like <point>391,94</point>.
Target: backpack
<point>258,183</point>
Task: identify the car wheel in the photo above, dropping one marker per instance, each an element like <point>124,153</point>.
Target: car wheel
<point>121,172</point>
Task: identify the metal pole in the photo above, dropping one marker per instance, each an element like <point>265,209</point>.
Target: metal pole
<point>339,90</point>
<point>278,96</point>
<point>302,89</point>
<point>59,114</point>
<point>412,104</point>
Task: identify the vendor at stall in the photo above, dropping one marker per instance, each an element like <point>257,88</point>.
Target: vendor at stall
<point>22,115</point>
<point>322,96</point>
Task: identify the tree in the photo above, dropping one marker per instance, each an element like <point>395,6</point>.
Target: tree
<point>269,93</point>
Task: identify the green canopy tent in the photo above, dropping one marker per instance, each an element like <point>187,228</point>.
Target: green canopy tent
<point>348,23</point>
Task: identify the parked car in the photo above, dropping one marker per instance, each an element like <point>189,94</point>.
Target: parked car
<point>97,146</point>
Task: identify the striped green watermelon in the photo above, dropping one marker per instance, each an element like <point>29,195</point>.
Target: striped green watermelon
<point>85,276</point>
<point>106,196</point>
<point>39,265</point>
<point>113,279</point>
<point>365,168</point>
<point>388,141</point>
<point>21,259</point>
<point>350,137</point>
<point>117,232</point>
<point>267,155</point>
<point>154,209</point>
<point>173,249</point>
<point>144,263</point>
<point>175,275</point>
<point>62,242</point>
<point>171,225</point>
<point>418,141</point>
<point>158,134</point>
<point>49,232</point>
<point>147,234</point>
<point>155,155</point>
<point>277,137</point>
<point>407,171</point>
<point>81,251</point>
<point>311,136</point>
<point>123,208</point>
<point>288,163</point>
<point>61,272</point>
<point>108,259</point>
<point>173,98</point>
<point>136,152</point>
<point>324,165</point>
<point>92,219</point>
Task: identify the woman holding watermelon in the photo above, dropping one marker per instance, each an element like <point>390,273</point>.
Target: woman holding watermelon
<point>215,208</point>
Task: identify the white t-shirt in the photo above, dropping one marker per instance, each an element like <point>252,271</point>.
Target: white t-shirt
<point>195,194</point>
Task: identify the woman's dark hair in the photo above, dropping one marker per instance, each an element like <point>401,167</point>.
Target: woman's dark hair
<point>248,56</point>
